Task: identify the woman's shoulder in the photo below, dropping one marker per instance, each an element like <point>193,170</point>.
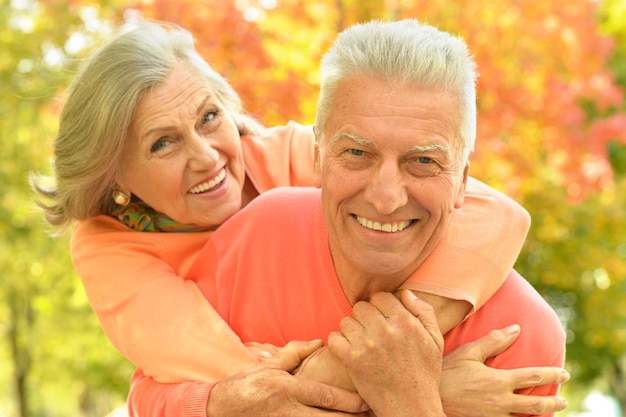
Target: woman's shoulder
<point>98,225</point>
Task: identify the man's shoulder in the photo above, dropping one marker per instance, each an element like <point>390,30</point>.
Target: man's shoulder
<point>283,200</point>
<point>518,300</point>
<point>542,339</point>
<point>517,288</point>
<point>273,211</point>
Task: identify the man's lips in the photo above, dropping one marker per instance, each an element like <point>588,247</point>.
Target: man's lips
<point>384,227</point>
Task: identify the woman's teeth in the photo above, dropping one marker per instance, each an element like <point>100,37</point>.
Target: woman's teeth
<point>200,188</point>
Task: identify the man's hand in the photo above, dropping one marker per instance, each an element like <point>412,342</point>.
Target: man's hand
<point>469,388</point>
<point>269,389</point>
<point>323,366</point>
<point>392,350</point>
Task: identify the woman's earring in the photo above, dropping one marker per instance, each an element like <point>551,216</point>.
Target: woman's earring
<point>120,198</point>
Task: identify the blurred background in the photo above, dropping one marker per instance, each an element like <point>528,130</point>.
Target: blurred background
<point>551,133</point>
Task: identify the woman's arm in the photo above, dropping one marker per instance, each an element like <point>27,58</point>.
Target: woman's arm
<point>157,320</point>
<point>267,389</point>
<point>160,322</point>
<point>469,388</point>
<point>475,255</point>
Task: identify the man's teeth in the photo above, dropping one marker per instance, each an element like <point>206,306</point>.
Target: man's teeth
<point>383,227</point>
<point>209,184</point>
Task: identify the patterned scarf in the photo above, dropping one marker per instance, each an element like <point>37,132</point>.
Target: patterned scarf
<point>142,218</point>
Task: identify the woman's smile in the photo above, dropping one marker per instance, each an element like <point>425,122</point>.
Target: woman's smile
<point>209,185</point>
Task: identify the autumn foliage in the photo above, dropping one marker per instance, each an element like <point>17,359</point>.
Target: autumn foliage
<point>548,102</point>
<point>549,107</point>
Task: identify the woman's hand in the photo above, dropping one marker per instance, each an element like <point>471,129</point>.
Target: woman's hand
<point>269,389</point>
<point>469,388</point>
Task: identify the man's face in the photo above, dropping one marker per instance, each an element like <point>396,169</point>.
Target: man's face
<point>388,176</point>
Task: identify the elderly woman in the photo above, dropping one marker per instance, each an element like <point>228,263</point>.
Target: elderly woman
<point>153,153</point>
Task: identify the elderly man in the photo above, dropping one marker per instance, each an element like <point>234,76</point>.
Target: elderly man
<point>395,129</point>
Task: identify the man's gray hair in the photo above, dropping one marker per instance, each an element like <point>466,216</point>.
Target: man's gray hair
<point>405,51</point>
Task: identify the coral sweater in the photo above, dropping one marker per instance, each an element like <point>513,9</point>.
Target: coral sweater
<point>270,274</point>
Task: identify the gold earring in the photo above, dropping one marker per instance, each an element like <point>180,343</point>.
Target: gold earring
<point>120,198</point>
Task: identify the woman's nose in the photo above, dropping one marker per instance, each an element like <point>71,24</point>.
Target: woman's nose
<point>201,153</point>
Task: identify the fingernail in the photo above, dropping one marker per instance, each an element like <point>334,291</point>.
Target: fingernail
<point>266,354</point>
<point>365,407</point>
<point>512,329</point>
<point>565,376</point>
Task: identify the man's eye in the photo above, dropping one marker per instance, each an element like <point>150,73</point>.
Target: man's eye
<point>356,152</point>
<point>425,160</point>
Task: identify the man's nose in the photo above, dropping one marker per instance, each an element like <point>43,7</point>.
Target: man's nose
<point>387,190</point>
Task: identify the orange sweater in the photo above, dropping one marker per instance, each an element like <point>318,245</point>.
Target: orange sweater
<point>269,272</point>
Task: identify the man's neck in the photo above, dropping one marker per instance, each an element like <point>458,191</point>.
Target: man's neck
<point>359,286</point>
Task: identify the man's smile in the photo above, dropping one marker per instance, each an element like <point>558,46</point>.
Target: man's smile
<point>383,227</point>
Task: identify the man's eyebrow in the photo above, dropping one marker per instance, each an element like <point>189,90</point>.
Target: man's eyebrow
<point>361,141</point>
<point>430,148</point>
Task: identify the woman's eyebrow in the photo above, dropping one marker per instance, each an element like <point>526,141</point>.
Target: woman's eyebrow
<point>199,111</point>
<point>203,104</point>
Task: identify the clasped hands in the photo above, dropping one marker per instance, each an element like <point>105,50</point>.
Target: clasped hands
<point>390,352</point>
<point>391,357</point>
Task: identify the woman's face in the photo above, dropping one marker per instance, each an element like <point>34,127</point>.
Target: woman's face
<point>183,153</point>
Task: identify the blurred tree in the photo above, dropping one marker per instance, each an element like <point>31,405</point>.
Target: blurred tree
<point>56,351</point>
<point>228,36</point>
<point>576,257</point>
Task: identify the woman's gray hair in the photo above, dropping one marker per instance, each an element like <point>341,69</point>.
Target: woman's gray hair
<point>100,107</point>
<point>409,52</point>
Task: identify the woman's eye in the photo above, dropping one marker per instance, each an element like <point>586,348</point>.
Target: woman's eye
<point>160,144</point>
<point>209,116</point>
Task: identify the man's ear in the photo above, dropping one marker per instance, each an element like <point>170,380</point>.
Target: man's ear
<point>317,166</point>
<point>458,202</point>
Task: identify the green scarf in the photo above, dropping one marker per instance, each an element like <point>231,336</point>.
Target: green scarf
<point>142,218</point>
